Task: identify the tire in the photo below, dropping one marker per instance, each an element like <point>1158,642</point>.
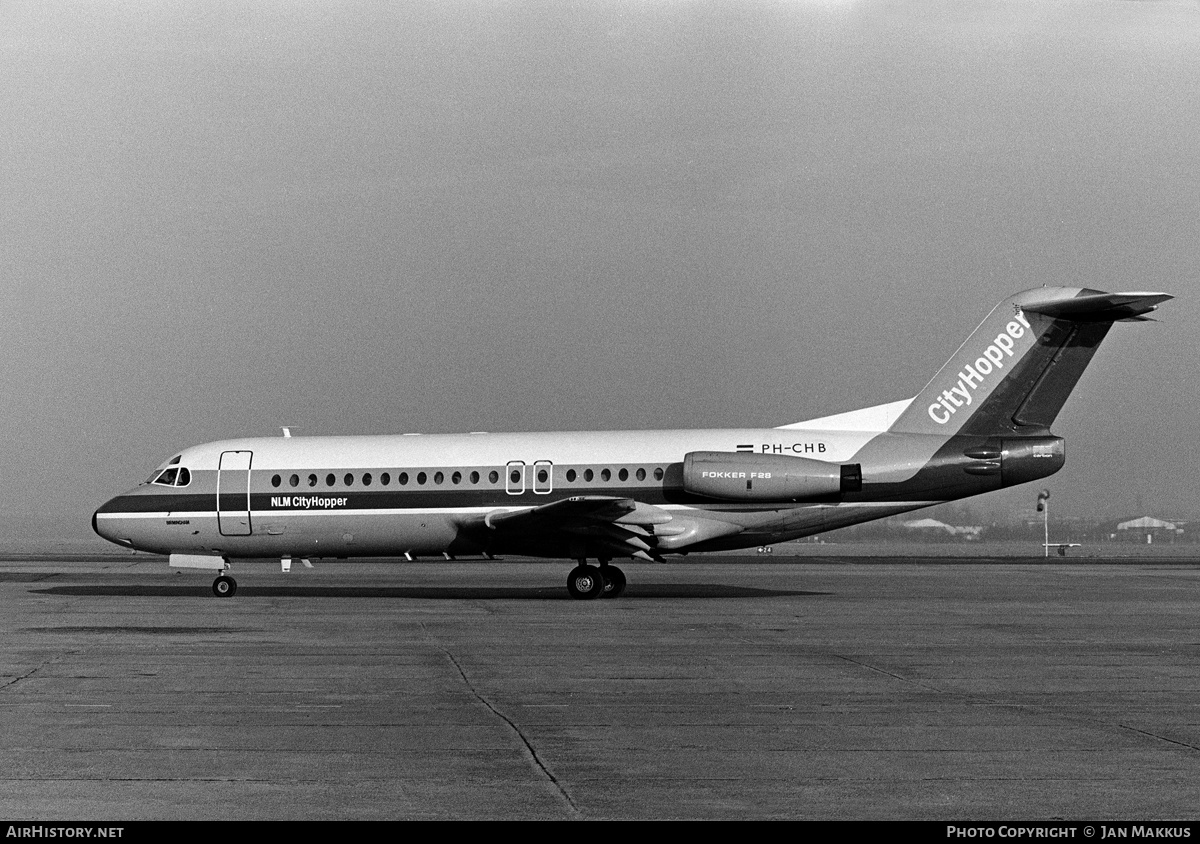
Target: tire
<point>585,583</point>
<point>614,582</point>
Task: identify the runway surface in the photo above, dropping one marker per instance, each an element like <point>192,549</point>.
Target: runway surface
<point>734,688</point>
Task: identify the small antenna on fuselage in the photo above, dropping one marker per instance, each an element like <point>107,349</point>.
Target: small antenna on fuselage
<point>287,431</point>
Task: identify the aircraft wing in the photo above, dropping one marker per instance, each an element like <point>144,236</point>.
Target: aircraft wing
<point>578,511</point>
<point>607,526</point>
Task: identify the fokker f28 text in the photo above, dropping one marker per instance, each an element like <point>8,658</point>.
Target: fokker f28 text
<point>982,423</point>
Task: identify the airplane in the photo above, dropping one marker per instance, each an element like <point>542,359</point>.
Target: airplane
<point>981,424</point>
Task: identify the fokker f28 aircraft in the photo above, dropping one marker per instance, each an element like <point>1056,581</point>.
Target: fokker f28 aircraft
<point>982,423</point>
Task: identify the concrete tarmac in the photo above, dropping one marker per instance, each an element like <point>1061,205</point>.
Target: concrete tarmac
<point>734,688</point>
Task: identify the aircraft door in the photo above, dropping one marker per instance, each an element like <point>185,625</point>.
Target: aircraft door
<point>233,493</point>
<point>514,479</point>
<point>543,477</point>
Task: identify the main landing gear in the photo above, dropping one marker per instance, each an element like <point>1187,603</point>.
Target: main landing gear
<point>224,586</point>
<point>604,581</point>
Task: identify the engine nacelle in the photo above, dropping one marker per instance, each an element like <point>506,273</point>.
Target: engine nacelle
<point>766,477</point>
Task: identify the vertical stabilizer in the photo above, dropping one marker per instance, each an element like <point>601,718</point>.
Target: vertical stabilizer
<point>1014,373</point>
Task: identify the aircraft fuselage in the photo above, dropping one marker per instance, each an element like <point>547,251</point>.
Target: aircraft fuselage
<point>430,494</point>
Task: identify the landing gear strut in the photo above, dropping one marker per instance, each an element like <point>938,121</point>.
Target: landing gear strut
<point>224,586</point>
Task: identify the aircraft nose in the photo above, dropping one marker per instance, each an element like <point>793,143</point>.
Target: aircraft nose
<point>102,527</point>
<point>96,524</point>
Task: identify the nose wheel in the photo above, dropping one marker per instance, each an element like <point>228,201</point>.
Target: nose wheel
<point>224,586</point>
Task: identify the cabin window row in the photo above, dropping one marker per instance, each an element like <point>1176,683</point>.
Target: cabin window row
<point>384,479</point>
<point>313,479</point>
<point>606,475</point>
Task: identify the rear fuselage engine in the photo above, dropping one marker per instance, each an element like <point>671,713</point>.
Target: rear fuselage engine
<point>766,477</point>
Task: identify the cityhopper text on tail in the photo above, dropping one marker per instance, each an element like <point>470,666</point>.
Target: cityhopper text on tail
<point>982,423</point>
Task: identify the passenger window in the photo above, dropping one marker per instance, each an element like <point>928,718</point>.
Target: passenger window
<point>367,479</point>
<point>403,479</point>
<point>623,474</point>
<point>276,480</point>
<point>605,474</point>
<point>438,477</point>
<point>349,479</point>
<point>330,479</point>
<point>658,474</point>
<point>494,476</point>
<point>474,477</point>
<point>456,478</point>
<point>571,476</point>
<point>421,478</point>
<point>385,479</point>
<point>294,480</point>
<point>588,474</point>
<point>542,476</point>
<point>641,474</point>
<point>312,480</point>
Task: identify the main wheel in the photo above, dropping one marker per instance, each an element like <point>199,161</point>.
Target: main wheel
<point>585,582</point>
<point>614,581</point>
<point>224,586</point>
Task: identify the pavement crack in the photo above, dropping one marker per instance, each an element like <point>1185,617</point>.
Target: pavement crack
<point>887,673</point>
<point>531,753</point>
<point>26,675</point>
<point>1149,734</point>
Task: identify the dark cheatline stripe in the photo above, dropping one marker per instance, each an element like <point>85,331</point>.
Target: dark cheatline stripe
<point>262,503</point>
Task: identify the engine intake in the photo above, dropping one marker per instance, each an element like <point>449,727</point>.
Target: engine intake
<point>766,477</point>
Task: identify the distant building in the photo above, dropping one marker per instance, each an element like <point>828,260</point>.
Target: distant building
<point>1148,530</point>
<point>933,529</point>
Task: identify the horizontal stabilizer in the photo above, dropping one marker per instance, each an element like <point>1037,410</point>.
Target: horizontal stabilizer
<point>1097,307</point>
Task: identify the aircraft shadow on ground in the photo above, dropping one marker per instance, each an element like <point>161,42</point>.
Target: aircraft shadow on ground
<point>426,593</point>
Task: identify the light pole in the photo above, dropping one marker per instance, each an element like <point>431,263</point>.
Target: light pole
<point>1043,507</point>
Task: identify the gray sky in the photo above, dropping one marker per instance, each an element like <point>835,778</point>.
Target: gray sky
<point>354,217</point>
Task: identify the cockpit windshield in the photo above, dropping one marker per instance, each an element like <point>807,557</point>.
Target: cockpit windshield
<point>173,475</point>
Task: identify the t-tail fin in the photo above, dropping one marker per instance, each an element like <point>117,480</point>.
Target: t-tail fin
<point>1014,373</point>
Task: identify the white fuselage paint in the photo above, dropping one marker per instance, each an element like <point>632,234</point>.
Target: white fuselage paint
<point>324,521</point>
